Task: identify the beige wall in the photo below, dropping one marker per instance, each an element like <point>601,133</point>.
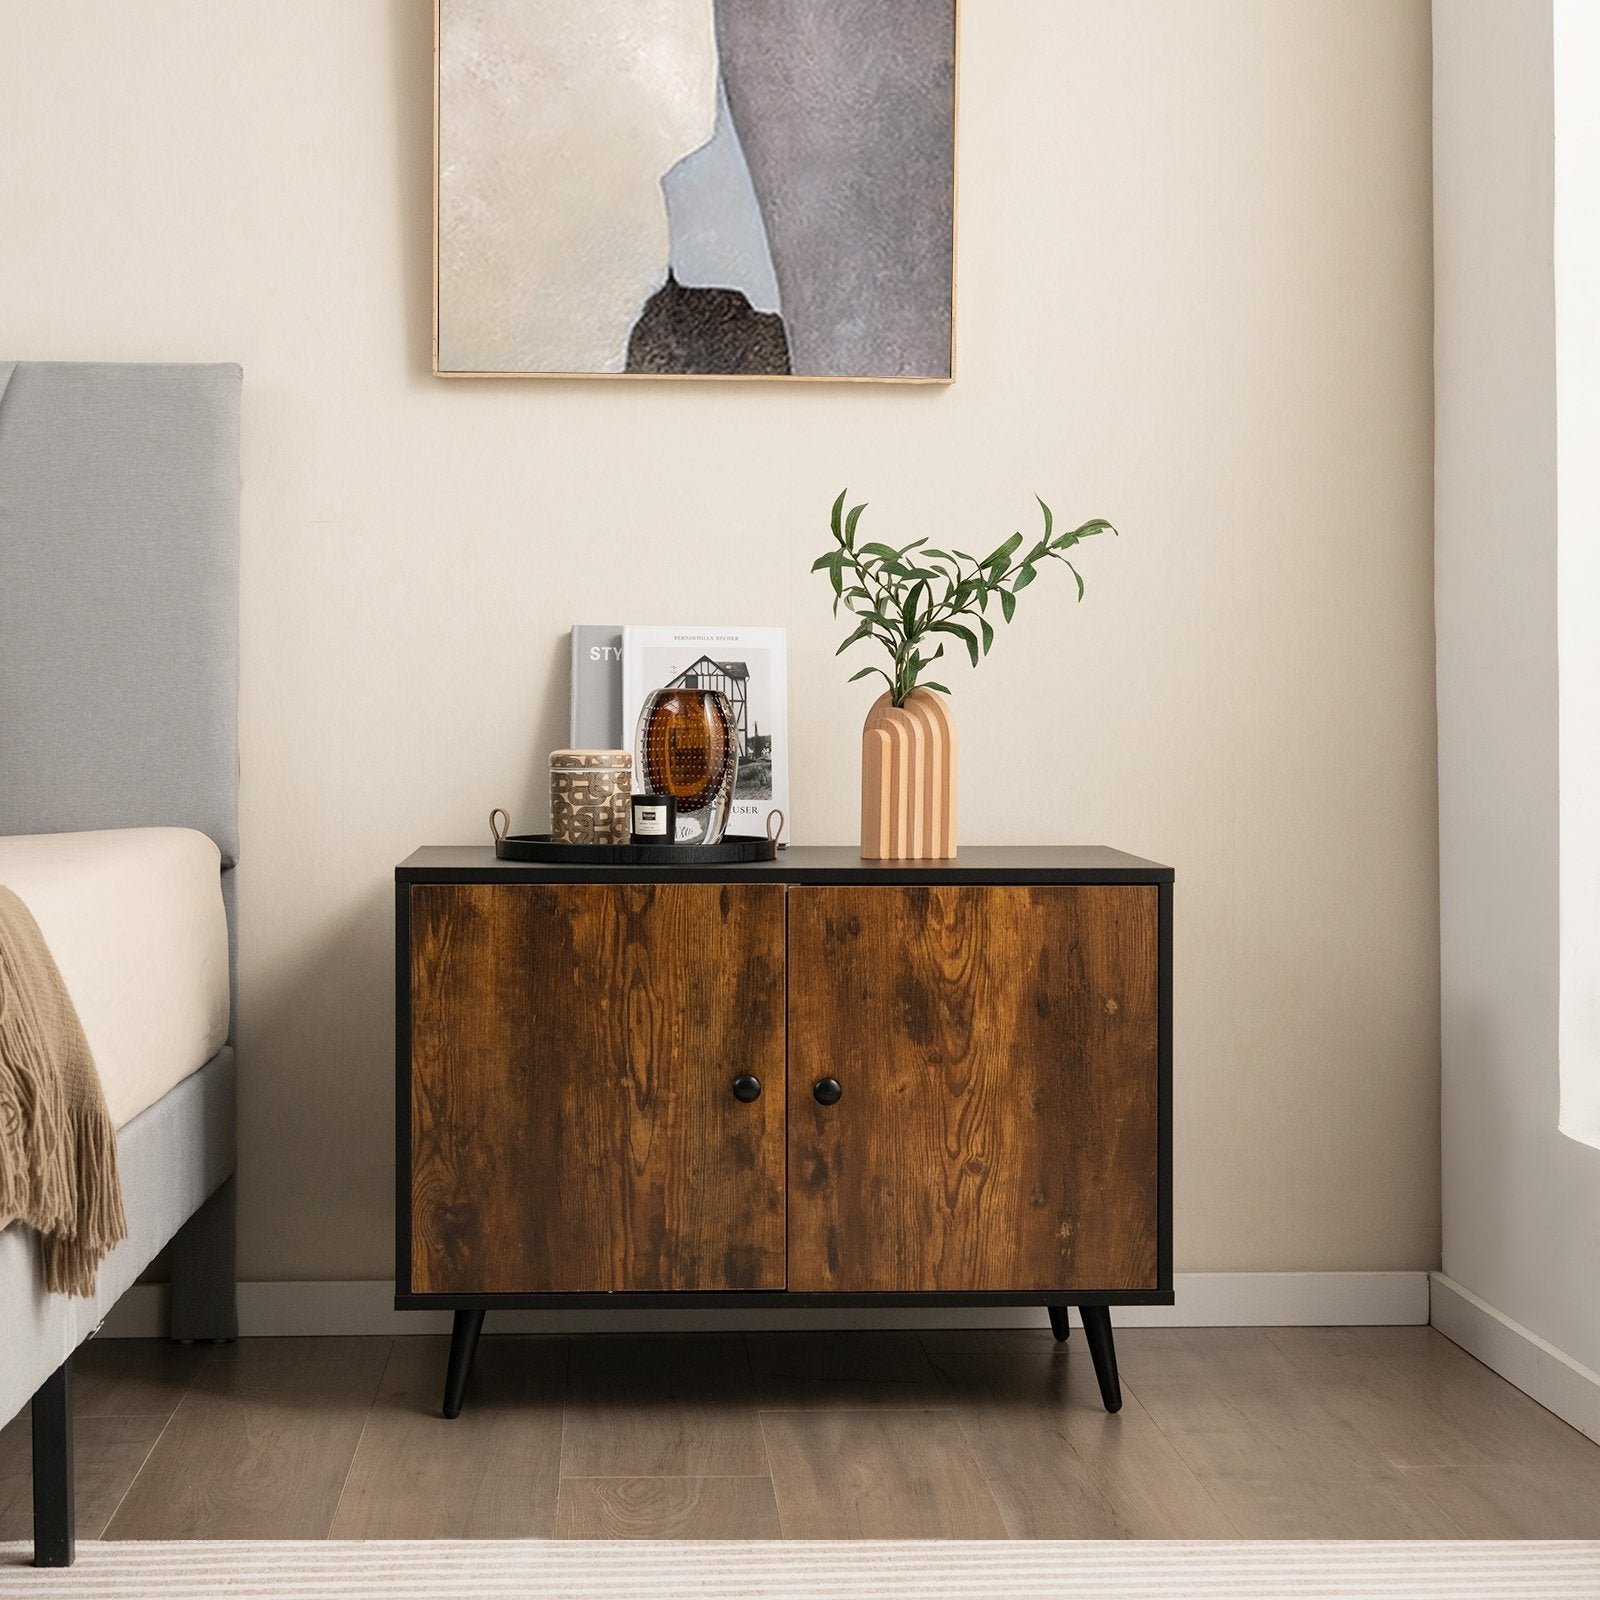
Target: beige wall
<point>1194,297</point>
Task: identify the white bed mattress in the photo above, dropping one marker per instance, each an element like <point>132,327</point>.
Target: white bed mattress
<point>134,919</point>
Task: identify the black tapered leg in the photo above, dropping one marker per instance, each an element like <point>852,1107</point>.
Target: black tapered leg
<point>53,1537</point>
<point>1097,1331</point>
<point>1058,1323</point>
<point>463,1347</point>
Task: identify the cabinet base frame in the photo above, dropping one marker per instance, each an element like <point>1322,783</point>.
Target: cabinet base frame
<point>777,1299</point>
<point>468,1322</point>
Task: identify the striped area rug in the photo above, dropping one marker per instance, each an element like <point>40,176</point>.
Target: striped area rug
<point>699,1570</point>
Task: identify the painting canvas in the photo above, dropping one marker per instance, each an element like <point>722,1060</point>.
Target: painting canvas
<point>696,188</point>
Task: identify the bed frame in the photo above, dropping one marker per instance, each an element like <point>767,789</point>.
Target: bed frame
<point>119,586</point>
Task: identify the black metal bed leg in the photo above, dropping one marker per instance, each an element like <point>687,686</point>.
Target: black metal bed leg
<point>1058,1323</point>
<point>54,1543</point>
<point>1097,1332</point>
<point>463,1347</point>
<point>204,1298</point>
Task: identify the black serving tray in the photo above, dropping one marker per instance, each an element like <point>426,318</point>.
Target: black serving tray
<point>732,848</point>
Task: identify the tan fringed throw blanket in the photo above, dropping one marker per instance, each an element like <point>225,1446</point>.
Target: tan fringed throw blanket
<point>58,1150</point>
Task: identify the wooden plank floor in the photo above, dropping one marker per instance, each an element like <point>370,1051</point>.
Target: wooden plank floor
<point>1360,1433</point>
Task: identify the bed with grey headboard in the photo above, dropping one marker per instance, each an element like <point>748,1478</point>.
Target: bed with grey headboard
<point>119,541</point>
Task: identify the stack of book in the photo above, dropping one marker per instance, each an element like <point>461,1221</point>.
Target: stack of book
<point>614,668</point>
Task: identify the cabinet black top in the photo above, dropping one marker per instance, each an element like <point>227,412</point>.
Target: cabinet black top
<point>1022,864</point>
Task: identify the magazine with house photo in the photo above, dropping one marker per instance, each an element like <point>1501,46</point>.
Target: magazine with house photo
<point>749,666</point>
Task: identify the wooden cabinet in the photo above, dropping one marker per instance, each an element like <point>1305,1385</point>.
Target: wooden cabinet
<point>819,1081</point>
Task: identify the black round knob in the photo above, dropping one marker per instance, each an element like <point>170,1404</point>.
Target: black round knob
<point>746,1088</point>
<point>827,1091</point>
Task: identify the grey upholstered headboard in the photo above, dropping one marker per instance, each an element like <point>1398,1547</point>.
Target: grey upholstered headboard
<point>119,598</point>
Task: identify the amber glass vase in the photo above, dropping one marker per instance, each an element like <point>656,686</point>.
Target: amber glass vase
<point>685,746</point>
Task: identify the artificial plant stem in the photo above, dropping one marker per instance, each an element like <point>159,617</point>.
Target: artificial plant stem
<point>882,607</point>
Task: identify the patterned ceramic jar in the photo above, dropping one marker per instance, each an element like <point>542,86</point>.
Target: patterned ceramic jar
<point>589,792</point>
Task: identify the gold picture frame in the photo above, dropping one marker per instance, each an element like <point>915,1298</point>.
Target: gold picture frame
<point>476,369</point>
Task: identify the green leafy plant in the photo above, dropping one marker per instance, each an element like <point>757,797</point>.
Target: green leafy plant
<point>903,598</point>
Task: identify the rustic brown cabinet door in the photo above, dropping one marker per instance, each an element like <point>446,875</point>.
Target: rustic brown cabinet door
<point>996,1054</point>
<point>573,1121</point>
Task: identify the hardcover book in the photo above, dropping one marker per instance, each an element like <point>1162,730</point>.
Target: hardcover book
<point>749,666</point>
<point>595,717</point>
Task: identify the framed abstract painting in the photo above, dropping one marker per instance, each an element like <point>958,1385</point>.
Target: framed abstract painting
<point>695,189</point>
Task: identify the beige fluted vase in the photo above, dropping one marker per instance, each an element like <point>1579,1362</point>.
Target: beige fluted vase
<point>908,780</point>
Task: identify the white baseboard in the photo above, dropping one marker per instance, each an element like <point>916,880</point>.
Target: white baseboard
<point>1519,1355</point>
<point>1205,1300</point>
